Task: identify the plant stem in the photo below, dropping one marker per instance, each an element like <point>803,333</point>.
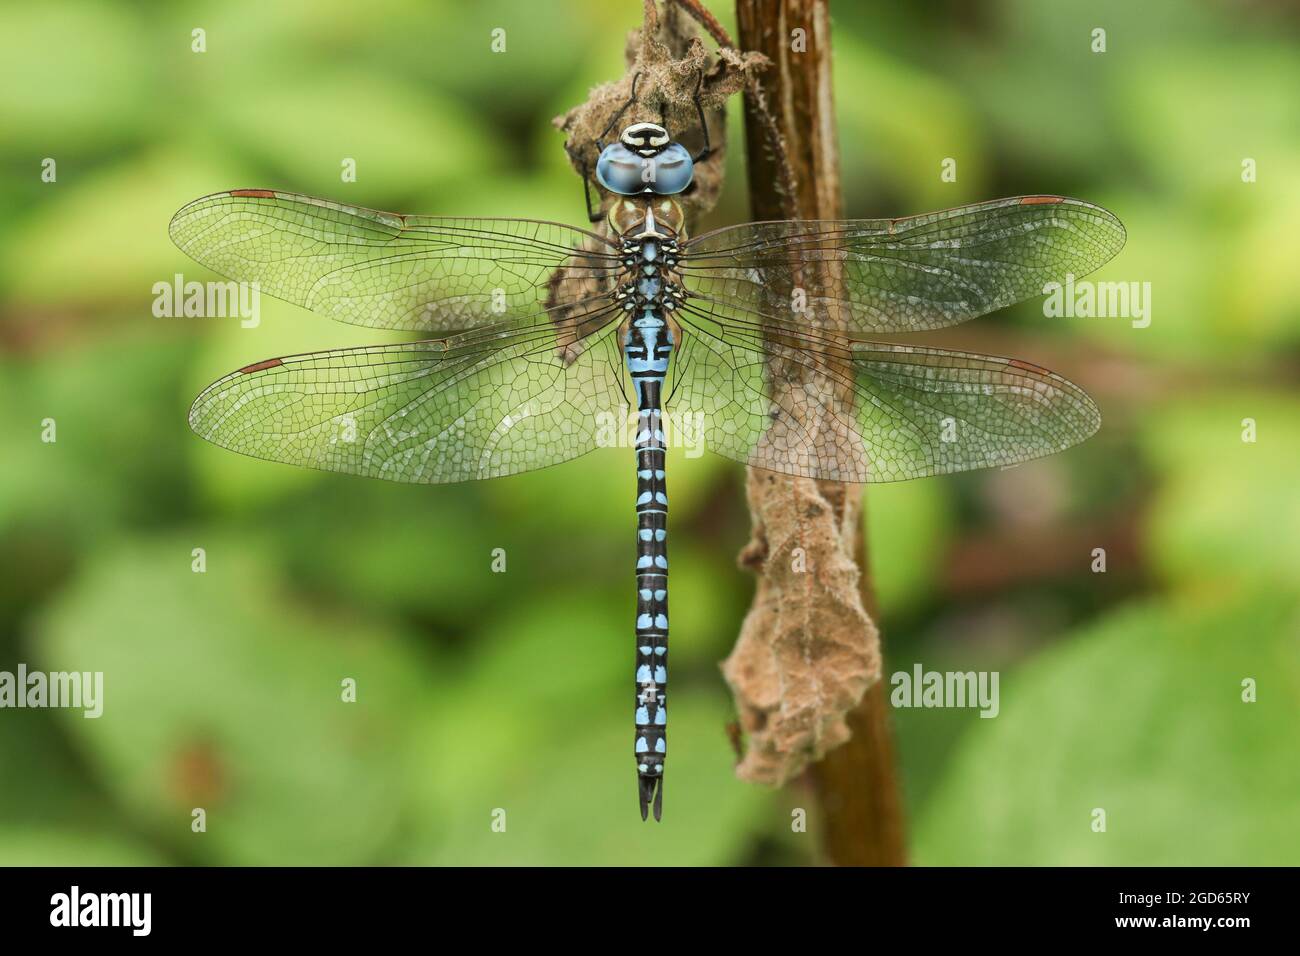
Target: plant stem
<point>796,175</point>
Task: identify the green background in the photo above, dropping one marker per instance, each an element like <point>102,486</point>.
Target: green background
<point>478,690</point>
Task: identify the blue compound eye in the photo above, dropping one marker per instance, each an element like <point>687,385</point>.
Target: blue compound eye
<point>673,170</point>
<point>622,171</point>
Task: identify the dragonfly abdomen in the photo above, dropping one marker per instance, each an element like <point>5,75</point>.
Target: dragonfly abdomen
<point>648,347</point>
<point>651,713</point>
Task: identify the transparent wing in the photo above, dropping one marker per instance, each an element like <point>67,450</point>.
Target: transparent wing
<point>864,411</point>
<point>498,401</point>
<point>902,275</point>
<point>391,271</point>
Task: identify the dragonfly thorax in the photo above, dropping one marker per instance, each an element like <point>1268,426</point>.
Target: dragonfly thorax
<point>650,254</point>
<point>637,219</point>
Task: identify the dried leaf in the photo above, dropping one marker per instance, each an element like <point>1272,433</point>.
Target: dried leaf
<point>667,61</point>
<point>807,650</point>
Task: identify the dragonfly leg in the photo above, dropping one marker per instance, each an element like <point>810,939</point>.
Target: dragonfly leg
<point>592,215</point>
<point>600,146</point>
<point>600,140</point>
<point>704,126</point>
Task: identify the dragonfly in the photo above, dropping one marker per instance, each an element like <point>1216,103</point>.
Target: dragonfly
<point>539,334</point>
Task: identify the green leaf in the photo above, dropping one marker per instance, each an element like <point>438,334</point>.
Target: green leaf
<point>1226,509</point>
<point>1141,716</point>
<point>100,237</point>
<point>114,455</point>
<point>904,156</point>
<point>572,799</point>
<point>307,127</point>
<point>56,847</point>
<point>218,693</point>
<point>77,77</point>
<point>539,724</point>
<point>908,524</point>
<point>44,787</point>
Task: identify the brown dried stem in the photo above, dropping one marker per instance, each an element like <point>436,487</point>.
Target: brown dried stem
<point>806,668</point>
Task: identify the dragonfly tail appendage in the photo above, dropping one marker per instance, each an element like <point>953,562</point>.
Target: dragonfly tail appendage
<point>651,792</point>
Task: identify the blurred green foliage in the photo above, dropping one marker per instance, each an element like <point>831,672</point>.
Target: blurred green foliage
<point>479,691</point>
<point>1185,772</point>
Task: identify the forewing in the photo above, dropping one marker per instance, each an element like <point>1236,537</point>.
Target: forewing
<point>391,271</point>
<point>873,276</point>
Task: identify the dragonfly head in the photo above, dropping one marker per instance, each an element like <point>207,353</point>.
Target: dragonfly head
<point>645,160</point>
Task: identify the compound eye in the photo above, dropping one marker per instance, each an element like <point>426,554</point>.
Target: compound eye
<point>621,171</point>
<point>674,170</point>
